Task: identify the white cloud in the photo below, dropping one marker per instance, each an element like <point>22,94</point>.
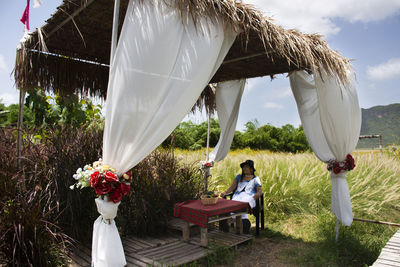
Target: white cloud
<point>272,105</point>
<point>385,71</point>
<point>283,93</point>
<point>316,16</point>
<point>3,65</point>
<point>250,85</point>
<point>7,98</point>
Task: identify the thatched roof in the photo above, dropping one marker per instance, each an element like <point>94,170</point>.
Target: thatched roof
<point>80,31</point>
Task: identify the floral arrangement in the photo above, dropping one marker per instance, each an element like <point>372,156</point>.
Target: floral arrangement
<point>340,166</point>
<point>207,164</point>
<point>104,180</point>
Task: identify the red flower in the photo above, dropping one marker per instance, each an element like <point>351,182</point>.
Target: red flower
<point>336,168</point>
<point>350,162</point>
<point>94,179</point>
<point>110,177</point>
<point>208,164</point>
<point>102,188</point>
<point>125,189</point>
<point>116,195</point>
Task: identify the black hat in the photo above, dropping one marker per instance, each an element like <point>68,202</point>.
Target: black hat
<point>249,163</point>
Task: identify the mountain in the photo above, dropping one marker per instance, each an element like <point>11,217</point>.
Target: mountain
<point>383,120</point>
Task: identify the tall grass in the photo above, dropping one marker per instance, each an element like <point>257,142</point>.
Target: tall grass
<point>297,190</point>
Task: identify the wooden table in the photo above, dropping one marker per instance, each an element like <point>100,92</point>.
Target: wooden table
<point>193,211</point>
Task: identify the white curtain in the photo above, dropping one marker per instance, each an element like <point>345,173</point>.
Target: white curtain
<point>331,118</point>
<point>160,67</point>
<point>227,97</point>
<point>106,244</point>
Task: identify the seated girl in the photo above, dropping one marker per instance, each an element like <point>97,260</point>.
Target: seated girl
<point>247,188</point>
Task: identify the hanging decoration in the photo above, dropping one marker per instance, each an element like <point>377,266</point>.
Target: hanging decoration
<point>104,180</point>
<point>25,16</point>
<point>341,166</point>
<point>107,248</point>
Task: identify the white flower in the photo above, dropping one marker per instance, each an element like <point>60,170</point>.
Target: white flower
<point>72,187</point>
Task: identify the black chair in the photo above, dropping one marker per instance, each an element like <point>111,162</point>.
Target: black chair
<point>257,211</point>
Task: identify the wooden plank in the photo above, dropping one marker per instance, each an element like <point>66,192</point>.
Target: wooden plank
<point>390,256</point>
<point>386,262</point>
<point>378,264</point>
<point>145,242</point>
<point>130,246</point>
<point>145,260</point>
<point>221,218</point>
<point>395,240</point>
<point>188,259</point>
<point>394,245</point>
<point>390,250</point>
<point>156,250</point>
<point>176,253</point>
<point>162,253</point>
<point>195,255</point>
<point>87,258</point>
<point>179,253</point>
<point>134,262</point>
<point>78,261</point>
<point>137,243</point>
<point>177,224</point>
<point>159,249</point>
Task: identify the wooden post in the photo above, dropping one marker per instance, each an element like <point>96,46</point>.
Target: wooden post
<point>239,227</point>
<point>186,231</point>
<point>19,131</point>
<point>203,237</point>
<point>206,172</point>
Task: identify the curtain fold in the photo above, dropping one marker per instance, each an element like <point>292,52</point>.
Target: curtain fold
<point>161,65</point>
<point>331,118</point>
<point>227,97</point>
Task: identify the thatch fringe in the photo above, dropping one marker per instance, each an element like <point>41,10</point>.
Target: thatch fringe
<point>288,49</point>
<point>206,100</point>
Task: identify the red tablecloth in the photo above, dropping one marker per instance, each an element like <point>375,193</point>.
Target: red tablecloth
<point>195,212</point>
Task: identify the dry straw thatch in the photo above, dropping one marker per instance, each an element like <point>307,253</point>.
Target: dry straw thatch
<point>80,31</point>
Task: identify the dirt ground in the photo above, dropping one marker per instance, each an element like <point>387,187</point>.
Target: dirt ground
<point>262,252</point>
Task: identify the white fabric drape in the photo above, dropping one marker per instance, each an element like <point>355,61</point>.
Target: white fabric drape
<point>331,118</point>
<point>107,248</point>
<point>228,96</point>
<point>160,67</point>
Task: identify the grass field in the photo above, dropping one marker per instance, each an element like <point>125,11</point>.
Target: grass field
<point>297,203</point>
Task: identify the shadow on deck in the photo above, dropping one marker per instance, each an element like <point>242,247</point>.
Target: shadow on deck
<point>168,250</point>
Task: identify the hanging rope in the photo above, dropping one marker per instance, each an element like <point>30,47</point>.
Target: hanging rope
<point>208,138</point>
<point>206,165</point>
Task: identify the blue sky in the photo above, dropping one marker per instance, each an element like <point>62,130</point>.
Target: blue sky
<point>366,31</point>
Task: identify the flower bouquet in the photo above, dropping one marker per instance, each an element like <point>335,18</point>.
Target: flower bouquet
<point>341,166</point>
<point>206,166</point>
<point>104,180</point>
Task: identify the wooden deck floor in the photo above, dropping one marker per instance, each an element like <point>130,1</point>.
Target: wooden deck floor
<point>390,255</point>
<point>163,251</point>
